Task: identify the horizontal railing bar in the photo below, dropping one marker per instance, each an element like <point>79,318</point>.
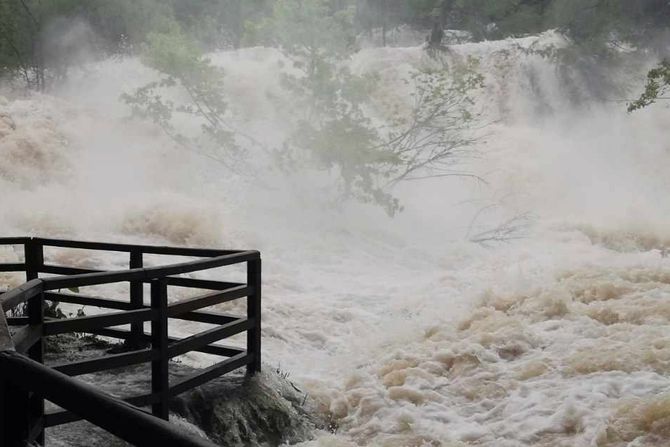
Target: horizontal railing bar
<point>21,294</point>
<point>53,418</point>
<point>148,249</point>
<point>207,337</point>
<point>17,321</point>
<point>65,270</point>
<point>193,283</point>
<point>201,264</point>
<point>210,373</point>
<point>107,362</point>
<point>86,300</point>
<point>221,350</point>
<point>172,281</point>
<point>202,316</point>
<point>145,274</point>
<point>26,337</point>
<point>93,279</point>
<point>111,414</point>
<point>17,267</point>
<point>207,300</point>
<point>13,240</point>
<point>85,324</point>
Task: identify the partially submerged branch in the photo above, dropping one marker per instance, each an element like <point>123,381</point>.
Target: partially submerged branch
<point>658,82</point>
<point>508,230</point>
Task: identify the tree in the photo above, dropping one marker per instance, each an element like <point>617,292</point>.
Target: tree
<point>20,43</point>
<point>32,43</point>
<point>335,135</point>
<point>218,23</point>
<point>382,14</point>
<point>184,68</point>
<point>39,38</point>
<point>658,82</point>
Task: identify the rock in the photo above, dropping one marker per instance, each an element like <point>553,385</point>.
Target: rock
<point>237,410</point>
<point>233,410</point>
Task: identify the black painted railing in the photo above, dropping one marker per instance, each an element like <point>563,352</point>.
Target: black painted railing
<point>25,382</point>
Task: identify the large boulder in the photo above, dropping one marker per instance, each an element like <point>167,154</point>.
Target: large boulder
<point>233,410</point>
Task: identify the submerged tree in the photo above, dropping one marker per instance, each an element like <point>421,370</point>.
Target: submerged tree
<point>658,82</point>
<point>186,71</point>
<point>334,132</point>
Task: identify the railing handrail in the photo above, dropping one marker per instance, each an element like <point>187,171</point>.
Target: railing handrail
<point>113,246</point>
<point>18,295</point>
<point>22,293</point>
<point>18,240</point>
<point>147,273</point>
<point>117,417</point>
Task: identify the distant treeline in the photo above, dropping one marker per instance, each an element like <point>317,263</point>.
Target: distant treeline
<point>38,36</point>
<point>48,35</point>
<point>493,19</point>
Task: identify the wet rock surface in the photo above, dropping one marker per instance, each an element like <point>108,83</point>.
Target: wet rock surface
<point>232,410</point>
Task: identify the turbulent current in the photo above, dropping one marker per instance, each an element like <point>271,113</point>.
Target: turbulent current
<point>527,309</point>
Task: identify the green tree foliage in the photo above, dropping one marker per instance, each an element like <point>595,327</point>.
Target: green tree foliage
<point>27,27</point>
<point>125,21</point>
<point>333,133</point>
<point>493,19</point>
<point>186,71</point>
<point>658,82</point>
<point>218,23</point>
<point>37,40</point>
<point>20,46</point>
<point>31,30</point>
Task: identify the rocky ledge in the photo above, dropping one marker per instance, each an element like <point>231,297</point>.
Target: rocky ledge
<point>233,410</point>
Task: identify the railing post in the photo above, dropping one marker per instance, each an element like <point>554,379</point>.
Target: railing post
<point>5,413</point>
<point>10,425</point>
<point>36,352</point>
<point>254,313</point>
<point>160,381</point>
<point>14,427</point>
<point>137,300</point>
<point>34,255</point>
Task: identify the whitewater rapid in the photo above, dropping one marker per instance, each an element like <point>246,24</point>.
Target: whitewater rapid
<point>402,331</point>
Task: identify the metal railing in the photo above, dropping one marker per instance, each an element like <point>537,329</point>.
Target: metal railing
<point>24,379</point>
